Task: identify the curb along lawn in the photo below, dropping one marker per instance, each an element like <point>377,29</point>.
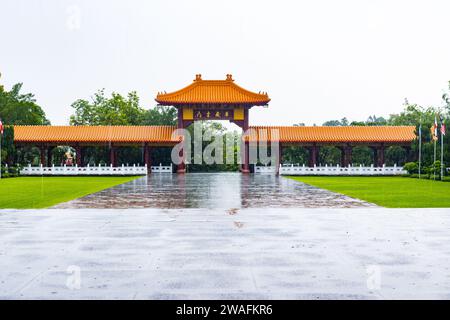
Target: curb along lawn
<point>43,192</point>
<point>390,192</point>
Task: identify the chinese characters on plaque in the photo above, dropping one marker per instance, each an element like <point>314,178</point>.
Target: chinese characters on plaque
<point>213,114</point>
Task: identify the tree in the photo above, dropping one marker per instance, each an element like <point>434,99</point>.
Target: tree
<point>336,123</point>
<point>160,116</point>
<point>125,111</point>
<point>116,110</point>
<point>8,149</point>
<point>20,109</point>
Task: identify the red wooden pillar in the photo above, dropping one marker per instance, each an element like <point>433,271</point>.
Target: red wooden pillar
<point>246,164</point>
<point>147,158</point>
<point>49,157</point>
<point>42,151</point>
<point>279,159</point>
<point>380,154</point>
<point>346,156</point>
<point>313,155</point>
<point>79,156</point>
<point>113,156</point>
<point>181,168</point>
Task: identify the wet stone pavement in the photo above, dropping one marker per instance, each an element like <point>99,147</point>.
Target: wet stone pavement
<point>214,190</point>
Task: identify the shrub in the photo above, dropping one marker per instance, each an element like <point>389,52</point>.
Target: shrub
<point>411,167</point>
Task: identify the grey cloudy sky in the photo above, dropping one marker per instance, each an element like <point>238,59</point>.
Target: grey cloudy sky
<point>318,60</point>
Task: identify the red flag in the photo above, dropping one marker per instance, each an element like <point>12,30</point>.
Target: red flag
<point>443,128</point>
<point>1,127</point>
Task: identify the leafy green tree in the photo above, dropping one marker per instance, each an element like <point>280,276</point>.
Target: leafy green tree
<point>217,131</point>
<point>8,148</point>
<point>125,111</point>
<point>336,123</point>
<point>20,109</point>
<point>101,110</point>
<point>295,155</point>
<point>362,155</point>
<point>160,116</point>
<point>329,155</point>
<point>17,108</point>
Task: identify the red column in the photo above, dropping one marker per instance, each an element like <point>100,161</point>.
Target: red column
<point>378,156</point>
<point>246,165</point>
<point>113,156</point>
<point>147,158</point>
<point>181,168</point>
<point>313,155</point>
<point>279,159</point>
<point>79,156</point>
<point>346,156</point>
<point>380,153</point>
<point>49,157</point>
<point>43,151</point>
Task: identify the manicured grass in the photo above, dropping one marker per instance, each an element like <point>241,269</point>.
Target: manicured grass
<point>391,192</point>
<point>43,192</point>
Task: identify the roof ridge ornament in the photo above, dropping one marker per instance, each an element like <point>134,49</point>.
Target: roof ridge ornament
<point>229,77</point>
<point>198,77</point>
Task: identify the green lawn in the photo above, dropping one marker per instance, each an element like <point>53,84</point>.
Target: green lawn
<point>43,192</point>
<point>391,192</point>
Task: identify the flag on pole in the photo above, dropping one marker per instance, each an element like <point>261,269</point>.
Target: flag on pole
<point>1,127</point>
<point>433,133</point>
<point>442,127</point>
<point>435,127</point>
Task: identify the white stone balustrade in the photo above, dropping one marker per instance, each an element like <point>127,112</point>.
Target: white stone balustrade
<point>296,170</point>
<point>162,169</point>
<point>84,171</point>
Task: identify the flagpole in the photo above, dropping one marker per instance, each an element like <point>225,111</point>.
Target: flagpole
<point>442,148</point>
<point>435,139</point>
<point>420,148</point>
<point>434,161</point>
<point>442,154</point>
<point>1,155</point>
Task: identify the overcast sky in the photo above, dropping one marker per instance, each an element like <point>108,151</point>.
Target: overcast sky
<point>318,60</point>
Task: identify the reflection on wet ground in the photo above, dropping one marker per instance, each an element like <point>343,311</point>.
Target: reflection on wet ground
<point>214,190</point>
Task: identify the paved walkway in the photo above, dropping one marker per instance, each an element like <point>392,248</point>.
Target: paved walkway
<point>214,190</point>
<point>206,254</point>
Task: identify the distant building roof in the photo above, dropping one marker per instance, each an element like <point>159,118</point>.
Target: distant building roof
<point>212,92</point>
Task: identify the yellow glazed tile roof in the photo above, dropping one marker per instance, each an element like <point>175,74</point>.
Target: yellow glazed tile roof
<point>358,134</point>
<point>163,134</point>
<point>212,92</point>
<point>93,134</point>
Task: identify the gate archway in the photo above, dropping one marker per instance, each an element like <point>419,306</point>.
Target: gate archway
<point>214,100</point>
